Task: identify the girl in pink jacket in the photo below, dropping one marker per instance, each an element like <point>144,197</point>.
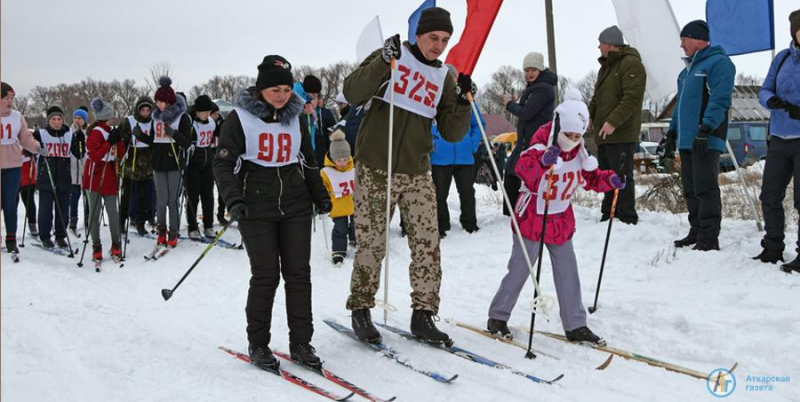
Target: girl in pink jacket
<point>560,147</point>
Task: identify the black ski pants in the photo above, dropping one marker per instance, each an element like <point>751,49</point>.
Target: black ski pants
<point>278,247</point>
<point>608,157</point>
<point>464,176</point>
<point>700,178</point>
<point>200,188</point>
<point>783,164</point>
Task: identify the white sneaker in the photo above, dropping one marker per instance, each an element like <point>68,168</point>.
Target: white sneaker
<point>194,235</point>
<point>210,232</point>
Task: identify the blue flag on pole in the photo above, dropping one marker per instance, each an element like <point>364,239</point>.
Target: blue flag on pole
<point>413,20</point>
<point>741,26</point>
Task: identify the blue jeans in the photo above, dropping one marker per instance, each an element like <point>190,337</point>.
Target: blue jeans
<point>10,179</point>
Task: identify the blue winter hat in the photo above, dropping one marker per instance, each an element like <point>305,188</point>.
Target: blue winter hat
<point>82,114</point>
<point>298,89</point>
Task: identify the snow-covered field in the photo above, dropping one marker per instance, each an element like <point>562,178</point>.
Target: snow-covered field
<point>71,334</point>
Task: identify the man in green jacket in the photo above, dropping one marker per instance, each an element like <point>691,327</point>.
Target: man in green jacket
<point>423,91</point>
<point>616,113</point>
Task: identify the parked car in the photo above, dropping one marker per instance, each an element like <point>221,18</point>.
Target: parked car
<point>645,159</point>
<point>748,140</point>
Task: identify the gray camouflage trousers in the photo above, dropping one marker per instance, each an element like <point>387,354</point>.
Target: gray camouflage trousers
<point>416,197</point>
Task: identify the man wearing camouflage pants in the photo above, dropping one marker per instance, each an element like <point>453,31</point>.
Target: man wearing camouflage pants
<point>442,97</point>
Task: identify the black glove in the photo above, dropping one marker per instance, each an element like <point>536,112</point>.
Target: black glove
<point>775,103</point>
<point>169,130</point>
<point>670,147</point>
<point>464,85</point>
<point>391,49</point>
<point>238,211</point>
<point>700,144</point>
<point>114,137</point>
<point>324,206</point>
<point>137,132</point>
<point>793,110</point>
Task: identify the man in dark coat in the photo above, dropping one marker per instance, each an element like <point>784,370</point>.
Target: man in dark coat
<point>616,111</point>
<point>533,109</point>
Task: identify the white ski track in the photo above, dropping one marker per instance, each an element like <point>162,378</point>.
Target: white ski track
<point>112,337</point>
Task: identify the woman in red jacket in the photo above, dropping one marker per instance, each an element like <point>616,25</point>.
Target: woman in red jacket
<point>103,147</point>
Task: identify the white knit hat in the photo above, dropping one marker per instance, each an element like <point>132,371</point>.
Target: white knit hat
<point>573,114</point>
<point>533,60</point>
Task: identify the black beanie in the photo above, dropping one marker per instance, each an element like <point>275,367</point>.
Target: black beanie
<point>54,110</point>
<point>312,85</point>
<point>274,70</point>
<point>203,104</point>
<point>434,19</point>
<point>697,29</point>
<point>794,24</point>
<point>5,89</point>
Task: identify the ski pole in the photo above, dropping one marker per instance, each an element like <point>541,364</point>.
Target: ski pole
<point>608,234</point>
<point>529,354</point>
<point>167,293</point>
<point>129,195</point>
<point>388,194</point>
<point>58,208</point>
<point>28,203</point>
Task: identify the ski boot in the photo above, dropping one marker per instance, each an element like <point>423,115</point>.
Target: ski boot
<point>47,243</point>
<point>499,328</point>
<point>172,239</point>
<point>61,243</point>
<point>423,327</point>
<point>304,354</point>
<point>361,320</point>
<point>338,259</point>
<point>584,335</point>
<point>11,244</point>
<point>194,234</point>
<point>140,229</point>
<point>262,357</point>
<point>706,246</point>
<point>116,251</point>
<point>33,228</point>
<point>769,256</point>
<point>162,236</point>
<point>97,252</point>
<point>210,232</point>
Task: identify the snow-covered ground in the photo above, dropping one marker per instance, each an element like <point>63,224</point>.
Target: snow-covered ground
<point>71,334</point>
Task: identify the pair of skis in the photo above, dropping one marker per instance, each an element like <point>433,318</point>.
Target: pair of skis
<point>115,259</point>
<point>325,373</point>
<point>460,352</point>
<point>55,250</point>
<point>159,251</point>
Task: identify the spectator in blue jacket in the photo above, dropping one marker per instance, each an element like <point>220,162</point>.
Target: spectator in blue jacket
<point>780,93</point>
<point>456,160</point>
<point>699,126</point>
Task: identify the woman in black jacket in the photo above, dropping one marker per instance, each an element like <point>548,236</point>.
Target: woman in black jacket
<point>267,174</point>
<point>533,109</point>
<point>199,176</point>
<point>173,128</point>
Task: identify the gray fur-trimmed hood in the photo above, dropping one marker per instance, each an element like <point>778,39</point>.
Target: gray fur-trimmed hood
<point>244,99</point>
<point>173,112</point>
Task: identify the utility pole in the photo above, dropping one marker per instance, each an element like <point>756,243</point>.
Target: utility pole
<point>551,37</point>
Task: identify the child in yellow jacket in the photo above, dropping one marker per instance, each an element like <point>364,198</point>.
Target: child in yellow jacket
<point>338,176</point>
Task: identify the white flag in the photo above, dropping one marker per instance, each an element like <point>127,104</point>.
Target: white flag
<point>650,26</point>
<point>371,38</point>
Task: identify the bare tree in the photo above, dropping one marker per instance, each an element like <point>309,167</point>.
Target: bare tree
<point>21,104</point>
<point>563,84</point>
<point>222,87</point>
<point>158,70</point>
<point>586,86</point>
<point>749,80</point>
<point>506,80</point>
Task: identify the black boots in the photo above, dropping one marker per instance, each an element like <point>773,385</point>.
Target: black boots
<point>262,356</point>
<point>11,244</point>
<point>706,246</point>
<point>422,326</point>
<point>303,353</point>
<point>769,256</point>
<point>361,320</point>
<point>792,266</point>
<point>686,241</point>
<point>499,328</point>
<point>584,334</point>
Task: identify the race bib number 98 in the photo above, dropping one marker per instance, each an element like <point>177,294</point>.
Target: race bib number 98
<point>274,148</point>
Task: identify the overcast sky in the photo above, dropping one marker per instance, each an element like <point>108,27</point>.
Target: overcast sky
<point>47,42</point>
